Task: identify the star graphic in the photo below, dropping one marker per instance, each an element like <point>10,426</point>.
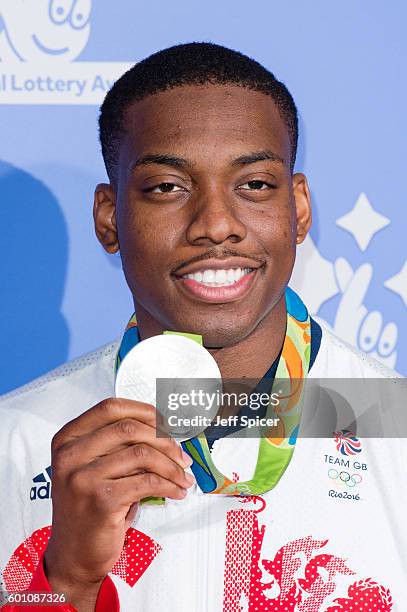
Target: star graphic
<point>398,283</point>
<point>309,266</point>
<point>363,222</point>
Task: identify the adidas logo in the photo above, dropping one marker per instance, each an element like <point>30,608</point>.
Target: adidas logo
<point>42,486</point>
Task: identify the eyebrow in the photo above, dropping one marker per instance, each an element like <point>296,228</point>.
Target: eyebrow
<point>166,160</point>
<point>256,156</point>
<point>182,163</point>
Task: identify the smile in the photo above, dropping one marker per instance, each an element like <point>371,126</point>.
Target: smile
<point>219,278</point>
<point>218,285</point>
<point>47,49</point>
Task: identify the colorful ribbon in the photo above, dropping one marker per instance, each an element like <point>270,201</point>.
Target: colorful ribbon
<point>276,447</point>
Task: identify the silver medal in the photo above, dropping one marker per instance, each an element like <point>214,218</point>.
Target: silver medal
<point>176,375</point>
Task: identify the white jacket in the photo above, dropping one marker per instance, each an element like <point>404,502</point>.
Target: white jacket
<point>312,543</point>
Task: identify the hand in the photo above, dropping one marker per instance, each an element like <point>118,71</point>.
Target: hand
<point>355,323</point>
<point>103,463</point>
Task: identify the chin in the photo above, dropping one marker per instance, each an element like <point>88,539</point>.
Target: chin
<point>218,335</point>
<point>214,340</point>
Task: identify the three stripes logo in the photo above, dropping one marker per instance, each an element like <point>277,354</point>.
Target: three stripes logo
<point>42,485</point>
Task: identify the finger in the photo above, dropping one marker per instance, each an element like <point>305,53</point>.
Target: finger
<point>356,289</point>
<point>132,489</point>
<point>343,273</point>
<point>136,459</point>
<point>112,438</point>
<point>106,412</point>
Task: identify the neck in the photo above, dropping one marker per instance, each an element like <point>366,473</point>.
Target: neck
<point>251,357</point>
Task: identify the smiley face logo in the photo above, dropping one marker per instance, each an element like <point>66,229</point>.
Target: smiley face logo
<point>43,30</point>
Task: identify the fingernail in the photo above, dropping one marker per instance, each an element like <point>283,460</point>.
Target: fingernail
<point>189,478</point>
<point>184,492</point>
<point>186,458</point>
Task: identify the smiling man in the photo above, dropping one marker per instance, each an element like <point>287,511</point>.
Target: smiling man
<point>199,144</point>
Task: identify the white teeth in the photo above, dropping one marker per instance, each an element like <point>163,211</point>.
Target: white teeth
<point>219,278</point>
<point>209,276</point>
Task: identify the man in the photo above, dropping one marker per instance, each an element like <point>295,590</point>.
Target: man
<point>199,144</point>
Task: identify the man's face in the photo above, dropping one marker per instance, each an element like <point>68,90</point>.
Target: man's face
<point>206,210</point>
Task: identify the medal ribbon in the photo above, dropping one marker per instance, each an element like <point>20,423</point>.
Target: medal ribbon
<point>275,447</point>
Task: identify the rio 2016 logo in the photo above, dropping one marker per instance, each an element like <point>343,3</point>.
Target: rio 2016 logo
<point>350,480</point>
<point>38,30</point>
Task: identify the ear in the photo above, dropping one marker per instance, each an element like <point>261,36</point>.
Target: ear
<point>302,198</point>
<point>104,216</point>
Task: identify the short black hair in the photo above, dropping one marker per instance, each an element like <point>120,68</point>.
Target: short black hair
<point>196,63</point>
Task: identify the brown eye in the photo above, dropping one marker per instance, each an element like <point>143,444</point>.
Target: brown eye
<point>164,188</point>
<point>257,185</point>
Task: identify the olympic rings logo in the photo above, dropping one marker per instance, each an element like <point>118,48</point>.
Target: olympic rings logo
<point>351,480</point>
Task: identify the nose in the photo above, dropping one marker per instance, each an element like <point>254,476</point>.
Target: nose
<point>214,220</point>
